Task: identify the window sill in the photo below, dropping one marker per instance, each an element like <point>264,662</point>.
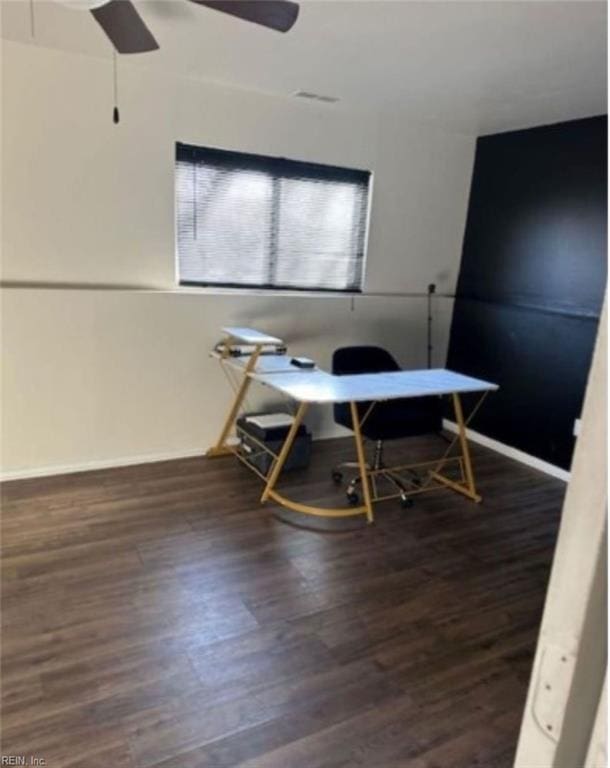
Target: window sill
<point>54,285</point>
<point>209,290</point>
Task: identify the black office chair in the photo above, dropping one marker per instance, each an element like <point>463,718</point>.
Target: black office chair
<point>388,420</point>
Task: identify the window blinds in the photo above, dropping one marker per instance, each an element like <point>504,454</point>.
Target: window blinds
<point>253,221</point>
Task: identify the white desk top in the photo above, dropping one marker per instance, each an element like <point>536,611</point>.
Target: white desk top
<point>264,364</point>
<point>250,336</point>
<point>321,387</point>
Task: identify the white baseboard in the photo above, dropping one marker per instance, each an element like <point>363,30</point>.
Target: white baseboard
<point>68,469</point>
<point>512,453</point>
<point>91,466</point>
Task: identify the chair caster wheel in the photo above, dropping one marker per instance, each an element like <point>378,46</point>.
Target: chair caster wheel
<point>406,502</point>
<point>337,476</point>
<point>352,498</point>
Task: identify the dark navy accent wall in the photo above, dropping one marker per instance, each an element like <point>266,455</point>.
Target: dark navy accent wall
<point>532,281</point>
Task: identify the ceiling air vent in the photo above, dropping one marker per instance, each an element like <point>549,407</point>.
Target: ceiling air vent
<point>315,97</point>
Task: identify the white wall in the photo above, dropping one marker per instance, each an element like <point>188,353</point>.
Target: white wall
<point>101,376</point>
<point>575,618</point>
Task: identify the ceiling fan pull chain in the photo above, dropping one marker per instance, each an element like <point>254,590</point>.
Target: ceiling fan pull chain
<point>32,26</point>
<point>115,80</point>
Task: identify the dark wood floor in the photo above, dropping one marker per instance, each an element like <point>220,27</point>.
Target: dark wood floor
<point>157,615</point>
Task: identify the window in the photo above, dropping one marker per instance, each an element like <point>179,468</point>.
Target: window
<point>261,222</point>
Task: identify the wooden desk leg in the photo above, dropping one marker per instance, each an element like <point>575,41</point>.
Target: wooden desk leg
<point>364,478</point>
<point>283,455</point>
<point>459,417</point>
<point>220,449</point>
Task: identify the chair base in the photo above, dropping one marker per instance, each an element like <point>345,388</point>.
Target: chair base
<point>380,473</point>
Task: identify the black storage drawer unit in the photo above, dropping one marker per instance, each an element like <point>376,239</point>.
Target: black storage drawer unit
<point>253,439</point>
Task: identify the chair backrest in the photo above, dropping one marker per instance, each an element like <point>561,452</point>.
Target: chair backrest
<point>362,359</point>
<point>359,359</point>
<point>392,419</point>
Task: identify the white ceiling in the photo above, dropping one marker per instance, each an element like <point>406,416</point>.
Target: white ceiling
<point>487,65</point>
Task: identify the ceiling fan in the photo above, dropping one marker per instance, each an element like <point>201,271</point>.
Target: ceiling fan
<point>129,34</point>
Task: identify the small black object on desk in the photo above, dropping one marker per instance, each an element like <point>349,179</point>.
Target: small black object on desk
<point>302,362</point>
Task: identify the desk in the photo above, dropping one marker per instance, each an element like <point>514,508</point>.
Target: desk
<point>316,386</point>
<point>321,387</point>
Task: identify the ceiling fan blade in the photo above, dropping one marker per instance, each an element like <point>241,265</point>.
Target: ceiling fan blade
<point>275,14</point>
<point>124,26</point>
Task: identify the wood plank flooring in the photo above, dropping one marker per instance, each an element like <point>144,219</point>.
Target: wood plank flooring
<point>158,616</point>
